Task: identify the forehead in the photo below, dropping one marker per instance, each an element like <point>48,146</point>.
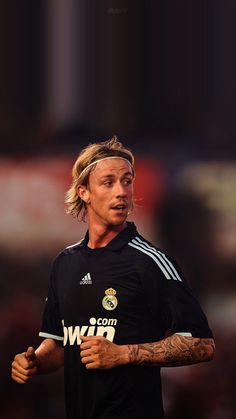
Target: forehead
<point>115,167</point>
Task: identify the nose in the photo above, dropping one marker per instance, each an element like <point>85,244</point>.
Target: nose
<point>120,190</point>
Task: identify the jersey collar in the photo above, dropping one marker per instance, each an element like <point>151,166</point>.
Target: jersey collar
<point>119,241</point>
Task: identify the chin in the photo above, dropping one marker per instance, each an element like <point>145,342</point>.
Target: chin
<point>118,221</point>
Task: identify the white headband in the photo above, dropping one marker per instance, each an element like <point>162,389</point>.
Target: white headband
<point>104,158</point>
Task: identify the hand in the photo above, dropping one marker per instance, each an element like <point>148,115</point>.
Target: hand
<point>99,352</point>
<point>24,366</point>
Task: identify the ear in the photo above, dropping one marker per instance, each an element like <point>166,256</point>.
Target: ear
<point>83,193</point>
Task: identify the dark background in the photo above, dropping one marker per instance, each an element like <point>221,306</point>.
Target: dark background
<point>161,76</point>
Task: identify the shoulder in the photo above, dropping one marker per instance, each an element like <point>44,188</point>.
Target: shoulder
<point>156,258</point>
<point>73,248</point>
<point>65,254</point>
<point>143,247</point>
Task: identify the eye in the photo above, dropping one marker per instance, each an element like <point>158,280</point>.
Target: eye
<point>127,181</point>
<point>107,183</point>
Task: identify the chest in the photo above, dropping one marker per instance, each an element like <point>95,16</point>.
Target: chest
<point>98,286</point>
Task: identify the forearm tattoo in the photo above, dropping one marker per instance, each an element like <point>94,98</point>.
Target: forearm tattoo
<point>176,350</point>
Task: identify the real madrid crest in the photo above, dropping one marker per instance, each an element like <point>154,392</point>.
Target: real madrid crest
<point>110,301</point>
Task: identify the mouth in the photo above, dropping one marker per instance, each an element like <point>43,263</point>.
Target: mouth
<point>120,207</point>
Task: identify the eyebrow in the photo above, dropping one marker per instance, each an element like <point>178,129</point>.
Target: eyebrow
<point>111,175</point>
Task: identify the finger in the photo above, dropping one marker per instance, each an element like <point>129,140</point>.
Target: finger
<point>91,341</point>
<point>31,365</point>
<point>88,338</point>
<point>19,378</point>
<point>24,363</point>
<point>85,345</point>
<point>25,371</point>
<point>30,354</point>
<point>21,360</point>
<point>89,345</point>
<point>84,353</point>
<point>87,359</point>
<point>92,366</point>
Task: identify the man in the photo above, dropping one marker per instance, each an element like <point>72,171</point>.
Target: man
<point>118,308</point>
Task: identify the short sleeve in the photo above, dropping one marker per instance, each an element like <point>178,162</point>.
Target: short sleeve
<point>182,311</point>
<point>173,303</point>
<point>51,323</point>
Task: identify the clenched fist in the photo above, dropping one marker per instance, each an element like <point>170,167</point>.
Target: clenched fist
<point>24,366</point>
<point>99,352</point>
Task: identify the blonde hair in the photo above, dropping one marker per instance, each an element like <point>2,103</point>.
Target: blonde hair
<point>83,166</point>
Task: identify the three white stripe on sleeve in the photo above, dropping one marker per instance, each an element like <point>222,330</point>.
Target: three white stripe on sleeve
<point>160,258</point>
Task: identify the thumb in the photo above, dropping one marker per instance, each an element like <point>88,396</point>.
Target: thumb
<point>30,354</point>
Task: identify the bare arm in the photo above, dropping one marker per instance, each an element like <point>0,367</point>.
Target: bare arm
<point>49,356</point>
<point>175,350</point>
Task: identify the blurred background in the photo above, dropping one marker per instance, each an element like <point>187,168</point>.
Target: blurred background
<point>160,74</point>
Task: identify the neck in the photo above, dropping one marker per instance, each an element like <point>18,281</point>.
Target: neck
<point>100,236</point>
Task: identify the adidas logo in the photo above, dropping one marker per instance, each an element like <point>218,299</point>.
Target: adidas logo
<point>86,280</point>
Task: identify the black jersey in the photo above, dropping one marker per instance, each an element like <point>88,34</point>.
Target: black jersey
<point>130,292</point>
